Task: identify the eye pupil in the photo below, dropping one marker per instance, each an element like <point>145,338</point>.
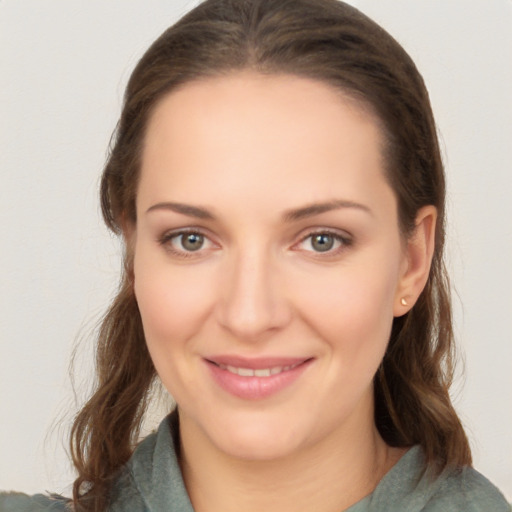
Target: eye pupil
<point>192,241</point>
<point>322,242</point>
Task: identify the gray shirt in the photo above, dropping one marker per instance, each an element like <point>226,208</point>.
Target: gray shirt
<point>152,482</point>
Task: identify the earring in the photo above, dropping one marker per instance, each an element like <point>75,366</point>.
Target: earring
<point>403,301</point>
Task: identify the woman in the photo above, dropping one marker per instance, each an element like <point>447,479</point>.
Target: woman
<point>277,181</point>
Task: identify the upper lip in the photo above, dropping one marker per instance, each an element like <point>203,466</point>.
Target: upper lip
<point>255,363</point>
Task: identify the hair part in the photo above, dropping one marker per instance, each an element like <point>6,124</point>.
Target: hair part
<point>334,43</point>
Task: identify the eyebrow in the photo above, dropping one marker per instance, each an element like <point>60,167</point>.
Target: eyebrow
<point>185,209</point>
<point>318,208</point>
<point>295,214</point>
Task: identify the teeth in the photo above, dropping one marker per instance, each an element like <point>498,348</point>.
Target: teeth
<point>263,372</point>
<point>243,372</point>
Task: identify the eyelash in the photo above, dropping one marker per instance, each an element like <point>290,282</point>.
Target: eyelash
<point>166,239</point>
<point>344,242</point>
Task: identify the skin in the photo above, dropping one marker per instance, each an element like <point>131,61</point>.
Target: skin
<point>250,150</point>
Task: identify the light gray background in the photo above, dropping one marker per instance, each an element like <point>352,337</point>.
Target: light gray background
<point>63,66</point>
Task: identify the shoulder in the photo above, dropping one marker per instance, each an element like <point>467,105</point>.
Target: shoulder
<point>408,487</point>
<point>18,502</point>
<point>126,495</point>
<point>152,478</point>
<point>466,490</point>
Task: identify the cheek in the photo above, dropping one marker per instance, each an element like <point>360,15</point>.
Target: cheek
<point>173,300</point>
<point>352,308</point>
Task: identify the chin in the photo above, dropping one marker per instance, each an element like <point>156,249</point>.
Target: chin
<point>260,446</point>
<point>258,437</point>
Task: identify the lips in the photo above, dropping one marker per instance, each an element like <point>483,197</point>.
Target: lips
<point>260,372</point>
<point>255,363</point>
<point>258,378</point>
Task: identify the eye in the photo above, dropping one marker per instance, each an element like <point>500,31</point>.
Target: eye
<point>189,241</point>
<point>324,242</point>
<point>185,243</point>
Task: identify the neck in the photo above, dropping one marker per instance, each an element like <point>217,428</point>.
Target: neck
<point>328,477</point>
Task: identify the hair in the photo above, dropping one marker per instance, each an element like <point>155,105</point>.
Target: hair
<point>334,43</point>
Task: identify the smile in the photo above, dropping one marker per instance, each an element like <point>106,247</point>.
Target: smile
<point>256,379</point>
<point>262,372</point>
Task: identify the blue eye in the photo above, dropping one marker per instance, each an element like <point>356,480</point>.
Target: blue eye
<point>183,243</point>
<point>324,242</point>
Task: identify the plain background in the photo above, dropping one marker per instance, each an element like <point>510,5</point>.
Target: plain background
<point>63,67</point>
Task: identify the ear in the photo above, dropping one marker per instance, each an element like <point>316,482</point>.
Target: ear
<point>418,253</point>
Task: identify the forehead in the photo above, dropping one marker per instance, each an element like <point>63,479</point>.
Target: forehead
<point>254,134</point>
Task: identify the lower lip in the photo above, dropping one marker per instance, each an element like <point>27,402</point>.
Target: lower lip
<point>255,388</point>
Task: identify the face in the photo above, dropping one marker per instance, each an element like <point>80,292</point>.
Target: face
<point>267,261</point>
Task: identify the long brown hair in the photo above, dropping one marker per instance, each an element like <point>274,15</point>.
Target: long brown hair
<point>332,42</point>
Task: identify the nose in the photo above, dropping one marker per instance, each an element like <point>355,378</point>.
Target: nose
<point>252,303</point>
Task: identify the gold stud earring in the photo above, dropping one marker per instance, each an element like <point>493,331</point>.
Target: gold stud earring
<point>403,301</point>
